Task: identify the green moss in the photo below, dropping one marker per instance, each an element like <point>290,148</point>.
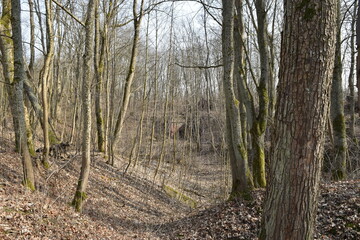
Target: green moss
<point>259,166</point>
<point>29,185</point>
<point>52,138</point>
<point>45,164</point>
<point>245,195</point>
<point>339,123</point>
<point>180,196</point>
<point>338,175</point>
<point>78,200</point>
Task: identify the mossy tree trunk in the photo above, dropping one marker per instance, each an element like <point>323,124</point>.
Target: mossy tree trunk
<point>256,120</point>
<point>241,178</point>
<point>99,61</point>
<point>19,77</point>
<point>337,110</point>
<point>7,52</point>
<point>80,193</point>
<point>306,63</point>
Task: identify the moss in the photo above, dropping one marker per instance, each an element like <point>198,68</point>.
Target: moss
<point>29,185</point>
<point>259,167</point>
<point>45,164</point>
<point>339,123</point>
<point>52,138</point>
<point>182,197</point>
<point>338,175</point>
<point>245,195</point>
<point>78,200</point>
<point>308,9</point>
<point>236,102</point>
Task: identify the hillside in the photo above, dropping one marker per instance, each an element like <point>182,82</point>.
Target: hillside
<point>129,206</point>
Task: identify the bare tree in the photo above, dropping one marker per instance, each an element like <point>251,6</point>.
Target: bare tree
<point>241,177</point>
<point>129,79</point>
<point>46,74</point>
<point>80,193</point>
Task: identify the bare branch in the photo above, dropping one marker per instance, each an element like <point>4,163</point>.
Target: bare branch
<point>68,12</point>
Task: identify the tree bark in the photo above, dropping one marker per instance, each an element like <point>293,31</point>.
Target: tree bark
<point>337,110</point>
<point>307,60</point>
<point>19,77</point>
<point>241,177</point>
<point>46,74</point>
<point>358,55</point>
<point>99,55</point>
<point>80,193</point>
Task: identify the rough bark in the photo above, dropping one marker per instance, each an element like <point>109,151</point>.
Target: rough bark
<point>337,110</point>
<point>7,52</point>
<point>307,59</point>
<point>19,77</point>
<point>99,56</point>
<point>80,193</point>
<point>241,178</point>
<point>358,55</point>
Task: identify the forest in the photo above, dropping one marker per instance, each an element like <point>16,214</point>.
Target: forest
<point>180,119</point>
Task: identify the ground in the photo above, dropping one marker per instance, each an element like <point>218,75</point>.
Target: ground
<point>133,205</point>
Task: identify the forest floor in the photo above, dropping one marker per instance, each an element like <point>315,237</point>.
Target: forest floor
<point>132,206</point>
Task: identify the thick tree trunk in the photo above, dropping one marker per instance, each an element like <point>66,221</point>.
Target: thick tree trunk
<point>241,177</point>
<point>358,54</point>
<point>80,193</point>
<point>19,77</point>
<point>307,58</point>
<point>337,111</point>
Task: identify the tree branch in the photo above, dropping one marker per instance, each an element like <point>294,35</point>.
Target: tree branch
<point>68,12</point>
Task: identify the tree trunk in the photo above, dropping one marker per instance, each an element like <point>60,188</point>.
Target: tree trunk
<point>241,178</point>
<point>307,60</point>
<point>351,78</point>
<point>260,121</point>
<point>337,110</point>
<point>80,194</point>
<point>358,55</point>
<point>99,55</point>
<point>46,74</point>
<point>129,79</point>
<point>19,77</point>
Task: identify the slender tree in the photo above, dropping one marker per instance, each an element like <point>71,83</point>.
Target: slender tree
<point>351,77</point>
<point>80,193</point>
<point>337,109</point>
<point>46,74</point>
<point>129,78</point>
<point>307,60</point>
